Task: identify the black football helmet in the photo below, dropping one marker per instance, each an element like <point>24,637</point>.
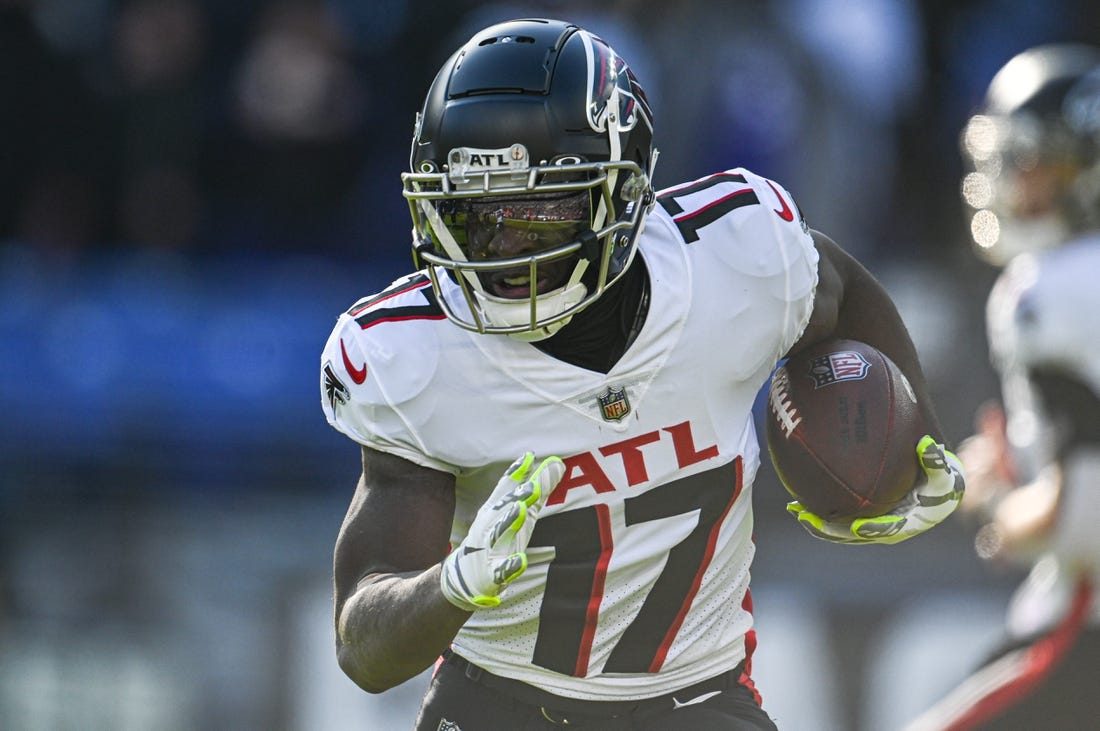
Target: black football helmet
<point>1034,152</point>
<point>530,179</point>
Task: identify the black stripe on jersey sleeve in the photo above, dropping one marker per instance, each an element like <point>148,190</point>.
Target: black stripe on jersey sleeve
<point>668,197</point>
<point>372,314</point>
<point>690,223</point>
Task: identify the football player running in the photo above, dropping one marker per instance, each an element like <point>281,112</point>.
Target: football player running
<point>1033,187</point>
<point>555,410</point>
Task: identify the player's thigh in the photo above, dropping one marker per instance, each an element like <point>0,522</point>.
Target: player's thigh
<point>734,709</point>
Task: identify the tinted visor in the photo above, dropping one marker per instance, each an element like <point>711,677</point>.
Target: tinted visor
<point>499,227</point>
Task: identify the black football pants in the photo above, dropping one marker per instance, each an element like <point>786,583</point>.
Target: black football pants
<point>462,697</point>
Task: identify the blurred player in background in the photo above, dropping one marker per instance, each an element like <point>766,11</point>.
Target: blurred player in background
<point>567,310</point>
<point>1034,465</point>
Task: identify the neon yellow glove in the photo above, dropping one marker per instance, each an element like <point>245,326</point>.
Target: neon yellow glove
<point>494,550</point>
<point>929,502</point>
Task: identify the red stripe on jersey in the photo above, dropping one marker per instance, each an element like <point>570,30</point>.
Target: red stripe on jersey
<point>376,300</point>
<point>712,541</point>
<point>750,647</point>
<point>595,598</point>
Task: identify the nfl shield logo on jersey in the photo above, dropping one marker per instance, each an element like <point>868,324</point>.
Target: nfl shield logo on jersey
<point>445,725</point>
<point>842,365</point>
<point>614,404</point>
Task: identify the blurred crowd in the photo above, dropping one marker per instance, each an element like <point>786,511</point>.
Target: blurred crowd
<point>280,126</point>
<point>192,190</point>
<point>203,126</point>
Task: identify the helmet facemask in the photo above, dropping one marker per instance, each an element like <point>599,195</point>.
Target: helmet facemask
<point>528,247</point>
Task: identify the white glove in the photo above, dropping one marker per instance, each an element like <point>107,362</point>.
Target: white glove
<point>494,550</point>
<point>927,504</point>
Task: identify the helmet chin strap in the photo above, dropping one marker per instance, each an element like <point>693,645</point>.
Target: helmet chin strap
<point>546,331</point>
<point>501,311</point>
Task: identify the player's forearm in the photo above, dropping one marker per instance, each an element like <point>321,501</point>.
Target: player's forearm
<point>1025,517</point>
<point>850,303</point>
<point>394,627</point>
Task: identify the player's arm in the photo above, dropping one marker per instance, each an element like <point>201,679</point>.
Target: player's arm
<point>1058,508</point>
<point>392,620</point>
<point>401,596</point>
<point>850,303</point>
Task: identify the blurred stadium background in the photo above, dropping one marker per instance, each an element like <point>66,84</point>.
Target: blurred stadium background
<point>192,190</point>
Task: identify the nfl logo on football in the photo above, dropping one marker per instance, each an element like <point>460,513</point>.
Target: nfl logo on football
<point>843,365</point>
<point>614,404</point>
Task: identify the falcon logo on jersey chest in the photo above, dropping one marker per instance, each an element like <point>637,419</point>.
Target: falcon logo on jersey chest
<point>614,405</point>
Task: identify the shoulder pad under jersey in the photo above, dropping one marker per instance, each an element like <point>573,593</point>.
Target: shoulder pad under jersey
<point>382,353</point>
<point>750,244</point>
<point>733,201</point>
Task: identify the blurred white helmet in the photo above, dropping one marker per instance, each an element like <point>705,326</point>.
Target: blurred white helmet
<point>1034,153</point>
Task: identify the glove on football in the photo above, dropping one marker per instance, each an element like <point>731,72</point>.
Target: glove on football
<point>494,550</point>
<point>928,503</point>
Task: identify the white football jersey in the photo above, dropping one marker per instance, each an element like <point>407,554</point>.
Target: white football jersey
<point>639,564</point>
<point>1044,312</point>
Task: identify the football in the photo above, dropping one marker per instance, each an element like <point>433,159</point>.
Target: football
<point>842,429</point>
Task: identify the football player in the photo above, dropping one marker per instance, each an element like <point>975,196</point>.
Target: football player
<point>555,409</point>
<point>1033,187</point>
